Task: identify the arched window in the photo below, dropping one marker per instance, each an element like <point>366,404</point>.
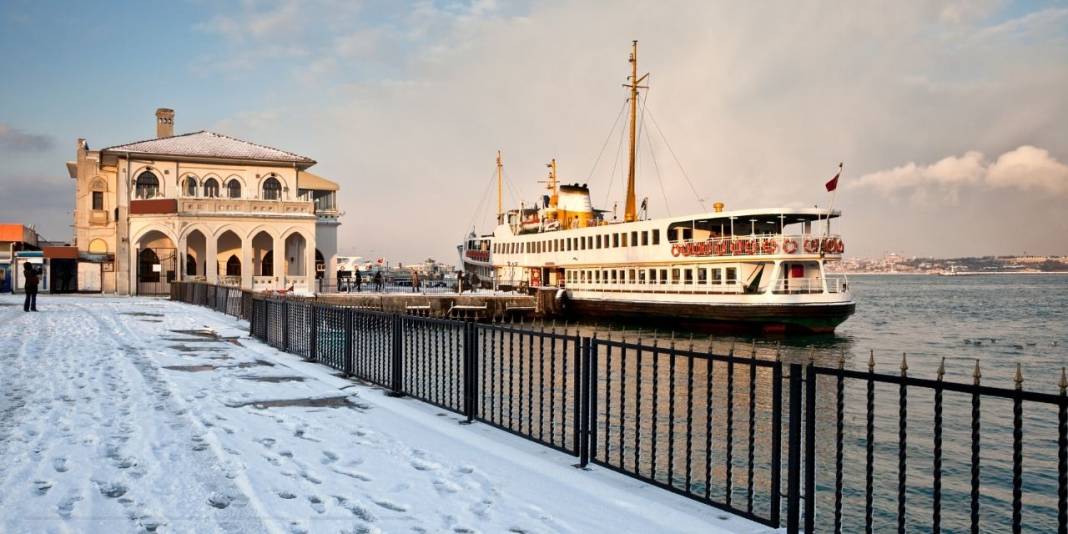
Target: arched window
<point>272,189</point>
<point>147,185</point>
<point>190,266</point>
<point>190,186</point>
<point>267,268</point>
<point>233,266</point>
<point>98,246</point>
<point>233,189</point>
<point>211,188</point>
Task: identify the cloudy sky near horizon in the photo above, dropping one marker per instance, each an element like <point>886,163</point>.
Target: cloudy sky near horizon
<point>951,116</point>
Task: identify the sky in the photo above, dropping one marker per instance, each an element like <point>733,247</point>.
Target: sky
<point>949,116</point>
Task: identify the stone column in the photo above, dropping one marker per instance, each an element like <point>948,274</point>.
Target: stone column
<point>246,263</point>
<point>211,260</point>
<point>309,262</point>
<point>280,262</point>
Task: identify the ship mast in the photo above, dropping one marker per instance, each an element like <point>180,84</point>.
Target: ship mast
<point>554,194</point>
<point>500,209</point>
<point>631,213</point>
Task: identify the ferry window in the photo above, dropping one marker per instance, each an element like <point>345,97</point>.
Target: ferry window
<point>614,279</point>
<point>674,276</point>
<point>652,276</point>
<point>687,276</point>
<point>597,276</point>
<point>598,241</point>
<point>615,240</point>
<point>630,276</point>
<point>702,276</point>
<point>645,237</point>
<point>663,276</point>
<point>656,236</point>
<point>732,275</point>
<point>717,277</point>
<point>623,241</point>
<point>589,242</point>
<point>641,276</point>
<point>634,238</point>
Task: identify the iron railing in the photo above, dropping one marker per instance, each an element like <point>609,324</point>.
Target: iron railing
<point>714,427</point>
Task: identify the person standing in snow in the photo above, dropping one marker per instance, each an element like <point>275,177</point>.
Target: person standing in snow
<point>415,281</point>
<point>359,279</point>
<point>378,281</point>
<point>31,281</point>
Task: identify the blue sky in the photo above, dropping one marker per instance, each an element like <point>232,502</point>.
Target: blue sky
<point>405,104</point>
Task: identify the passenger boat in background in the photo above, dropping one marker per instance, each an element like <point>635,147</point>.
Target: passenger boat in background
<point>760,269</point>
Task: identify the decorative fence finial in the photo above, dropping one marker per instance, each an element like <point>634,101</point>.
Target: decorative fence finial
<point>942,369</point>
<point>1019,377</point>
<point>1064,381</point>
<point>977,374</point>
<point>904,365</point>
<point>871,361</point>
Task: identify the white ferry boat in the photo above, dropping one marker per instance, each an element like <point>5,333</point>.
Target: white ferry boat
<point>761,269</point>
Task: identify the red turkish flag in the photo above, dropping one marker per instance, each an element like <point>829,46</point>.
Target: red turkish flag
<point>833,184</point>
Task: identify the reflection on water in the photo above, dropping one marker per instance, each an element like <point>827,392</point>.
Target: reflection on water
<point>654,419</point>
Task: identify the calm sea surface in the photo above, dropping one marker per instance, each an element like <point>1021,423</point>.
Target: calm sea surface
<point>998,320</point>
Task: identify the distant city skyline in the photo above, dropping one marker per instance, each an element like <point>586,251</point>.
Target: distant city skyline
<point>949,116</point>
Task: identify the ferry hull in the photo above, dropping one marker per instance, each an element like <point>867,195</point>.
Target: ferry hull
<point>820,318</point>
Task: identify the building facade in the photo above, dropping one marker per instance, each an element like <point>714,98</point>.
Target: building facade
<point>201,206</point>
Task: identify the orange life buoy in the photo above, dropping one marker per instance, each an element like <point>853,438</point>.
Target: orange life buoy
<point>789,246</point>
<point>770,246</point>
<point>736,247</point>
<point>812,246</point>
<point>841,246</point>
<point>675,250</point>
<point>719,248</point>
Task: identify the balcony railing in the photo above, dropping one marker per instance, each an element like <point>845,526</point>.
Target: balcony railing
<point>792,286</point>
<point>769,245</point>
<point>200,206</point>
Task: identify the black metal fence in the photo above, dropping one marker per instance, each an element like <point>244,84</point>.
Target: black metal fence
<point>712,427</point>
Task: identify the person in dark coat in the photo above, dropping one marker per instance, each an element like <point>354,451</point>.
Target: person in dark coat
<point>378,281</point>
<point>31,280</point>
<point>359,279</point>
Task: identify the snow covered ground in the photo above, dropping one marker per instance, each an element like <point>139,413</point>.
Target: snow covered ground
<point>136,414</point>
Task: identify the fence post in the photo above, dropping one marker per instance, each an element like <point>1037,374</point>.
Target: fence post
<point>776,439</point>
<point>584,394</point>
<point>347,364</point>
<point>285,326</point>
<point>252,320</point>
<point>810,447</point>
<point>470,370</point>
<point>313,342</point>
<point>793,463</point>
<point>396,387</point>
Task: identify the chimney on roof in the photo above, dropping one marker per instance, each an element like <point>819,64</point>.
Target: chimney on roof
<point>164,122</point>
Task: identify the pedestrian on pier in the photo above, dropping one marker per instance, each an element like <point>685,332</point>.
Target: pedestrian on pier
<point>359,279</point>
<point>415,281</point>
<point>378,281</point>
<point>31,280</point>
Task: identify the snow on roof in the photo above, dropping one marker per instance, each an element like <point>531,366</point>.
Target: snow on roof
<point>209,145</point>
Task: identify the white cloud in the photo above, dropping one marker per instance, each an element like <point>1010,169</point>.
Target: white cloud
<point>1026,168</point>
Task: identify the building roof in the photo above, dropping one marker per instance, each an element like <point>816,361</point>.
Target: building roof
<point>205,144</point>
<point>307,180</point>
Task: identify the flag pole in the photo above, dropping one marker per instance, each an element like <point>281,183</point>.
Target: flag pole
<point>830,210</point>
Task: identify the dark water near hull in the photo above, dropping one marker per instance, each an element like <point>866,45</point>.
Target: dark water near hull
<point>1001,321</point>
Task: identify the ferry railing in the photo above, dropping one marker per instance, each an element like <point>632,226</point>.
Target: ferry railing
<point>714,427</point>
<point>759,245</point>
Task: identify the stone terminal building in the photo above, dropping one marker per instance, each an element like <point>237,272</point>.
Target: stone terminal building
<point>201,206</point>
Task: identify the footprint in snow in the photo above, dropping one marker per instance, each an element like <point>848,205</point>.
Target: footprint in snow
<point>389,505</point>
<point>316,504</point>
<point>41,487</point>
<point>286,495</point>
<point>423,465</point>
<point>328,458</point>
<point>60,464</point>
<point>111,490</point>
<point>266,442</point>
<point>220,500</point>
<point>66,506</point>
<point>285,454</point>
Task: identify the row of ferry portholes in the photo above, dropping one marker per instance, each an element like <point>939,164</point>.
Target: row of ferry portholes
<point>830,245</point>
